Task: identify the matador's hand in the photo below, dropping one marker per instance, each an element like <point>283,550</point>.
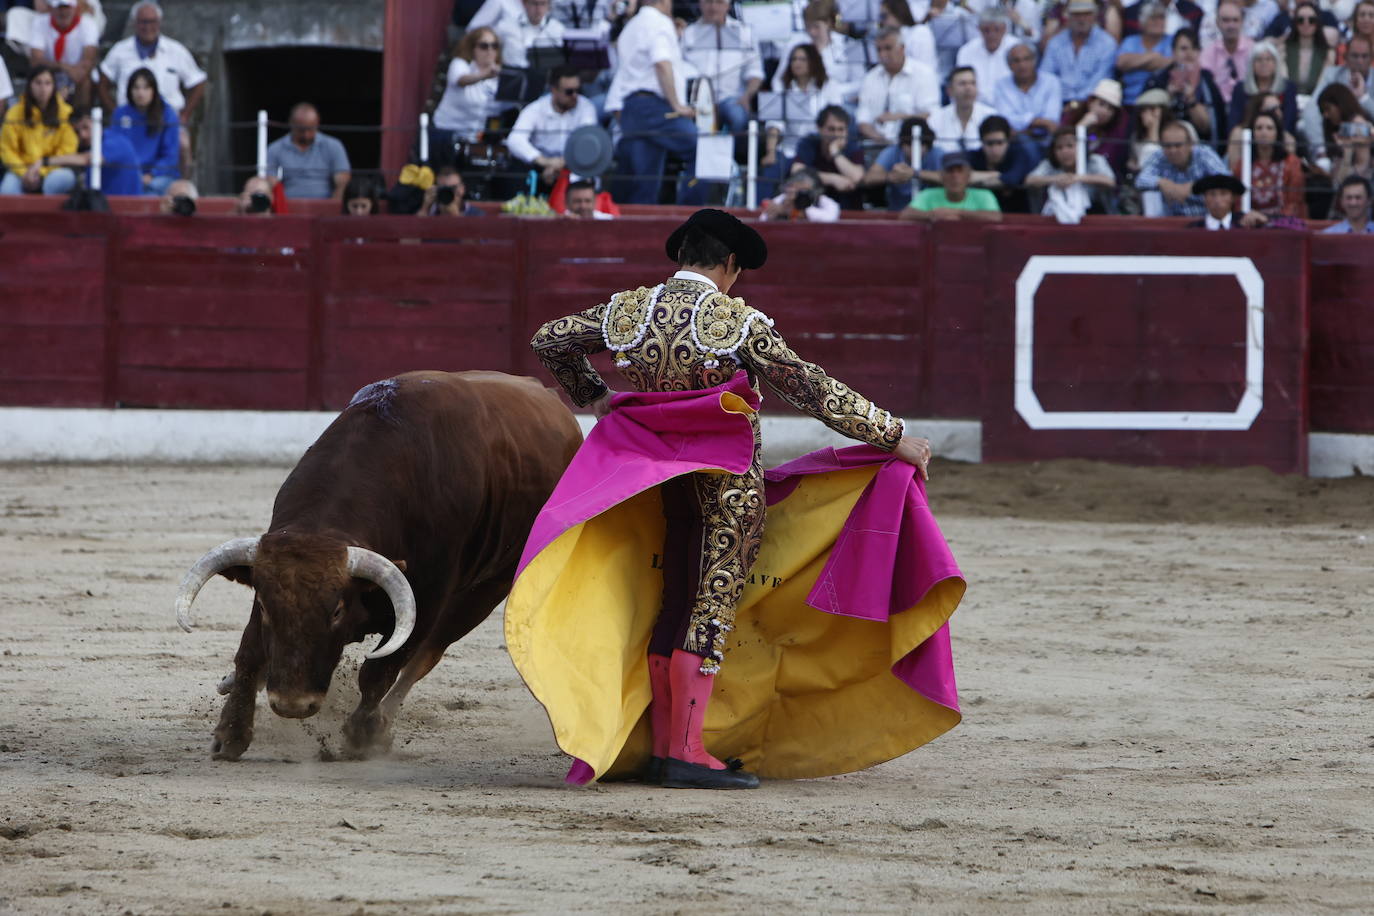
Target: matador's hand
<point>602,405</point>
<point>914,451</point>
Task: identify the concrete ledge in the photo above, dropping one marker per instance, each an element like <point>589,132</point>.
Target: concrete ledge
<point>280,437</point>
<point>1339,455</point>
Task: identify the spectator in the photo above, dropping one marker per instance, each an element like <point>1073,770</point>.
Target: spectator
<point>1275,179</point>
<point>447,196</point>
<point>68,43</point>
<point>918,40</point>
<point>955,125</point>
<point>1058,190</point>
<point>1001,165</point>
<point>895,169</point>
<point>1143,53</point>
<point>987,54</point>
<point>897,89</point>
<point>1282,26</point>
<point>361,197</point>
<point>1306,50</point>
<point>806,89</point>
<point>1024,16</point>
<point>150,125</point>
<point>1172,171</point>
<point>494,12</point>
<point>119,171</point>
<point>34,130</point>
<point>593,15</point>
<point>541,131</point>
<point>1355,73</point>
<point>1152,112</point>
<point>1265,74</point>
<point>1193,93</point>
<point>1353,141</point>
<point>802,200</point>
<point>1228,57</point>
<point>256,198</point>
<point>179,198</point>
<point>307,162</point>
<point>1361,24</point>
<point>724,50</point>
<point>469,97</point>
<point>1352,202</point>
<point>1081,55</point>
<point>1219,196</point>
<point>1056,18</point>
<point>649,90</point>
<point>1258,15</point>
<point>953,26</point>
<point>1179,14</point>
<point>180,81</point>
<point>835,155</point>
<point>580,202</point>
<point>532,27</point>
<point>1031,100</point>
<point>955,200</point>
<point>833,47</point>
<point>1335,107</point>
<point>1107,125</point>
<point>1265,102</point>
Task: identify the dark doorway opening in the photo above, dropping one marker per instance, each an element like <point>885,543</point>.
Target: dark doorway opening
<point>345,84</point>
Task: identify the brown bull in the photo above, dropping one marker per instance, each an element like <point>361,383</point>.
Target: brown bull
<point>406,518</point>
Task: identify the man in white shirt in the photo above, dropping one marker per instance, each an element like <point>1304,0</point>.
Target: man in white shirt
<point>897,89</point>
<point>987,54</point>
<point>180,81</point>
<point>541,132</point>
<point>649,92</point>
<point>68,42</point>
<point>532,28</point>
<point>955,126</point>
<point>724,51</point>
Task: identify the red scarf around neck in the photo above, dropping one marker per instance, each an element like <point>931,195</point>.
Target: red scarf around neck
<point>61,44</point>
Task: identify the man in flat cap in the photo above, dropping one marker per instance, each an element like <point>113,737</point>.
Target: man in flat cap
<point>1219,195</point>
<point>687,346</point>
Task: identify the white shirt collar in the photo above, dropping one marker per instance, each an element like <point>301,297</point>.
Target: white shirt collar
<point>692,274</point>
<point>1214,223</point>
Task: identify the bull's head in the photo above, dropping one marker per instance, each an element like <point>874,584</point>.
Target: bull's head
<point>308,599</point>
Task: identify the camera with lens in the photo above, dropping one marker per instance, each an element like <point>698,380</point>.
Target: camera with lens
<point>185,206</point>
<point>444,196</point>
<point>1355,129</point>
<point>259,202</point>
<point>804,199</point>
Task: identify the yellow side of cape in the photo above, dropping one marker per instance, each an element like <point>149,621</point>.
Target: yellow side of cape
<point>801,693</point>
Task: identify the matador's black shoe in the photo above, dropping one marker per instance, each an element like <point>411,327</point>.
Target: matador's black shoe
<point>679,774</point>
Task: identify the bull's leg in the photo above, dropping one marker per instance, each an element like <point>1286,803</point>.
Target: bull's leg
<point>369,727</point>
<point>235,730</point>
<point>363,730</point>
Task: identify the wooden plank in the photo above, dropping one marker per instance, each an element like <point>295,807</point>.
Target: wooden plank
<point>81,302</point>
<point>55,392</point>
<point>211,348</point>
<point>212,389</point>
<point>285,309</point>
<point>53,352</point>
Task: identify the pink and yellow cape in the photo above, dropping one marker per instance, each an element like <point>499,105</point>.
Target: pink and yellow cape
<point>840,657</point>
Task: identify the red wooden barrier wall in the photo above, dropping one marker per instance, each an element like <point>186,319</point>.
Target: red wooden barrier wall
<point>298,312</point>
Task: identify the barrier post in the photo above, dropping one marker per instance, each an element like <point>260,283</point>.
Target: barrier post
<point>1246,152</point>
<point>751,186</point>
<point>424,137</point>
<point>1081,149</point>
<point>916,148</point>
<point>97,146</point>
<point>262,143</point>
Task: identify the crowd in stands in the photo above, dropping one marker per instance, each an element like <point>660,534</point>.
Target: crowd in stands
<point>935,109</point>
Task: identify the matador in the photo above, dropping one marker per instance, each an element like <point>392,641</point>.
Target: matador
<point>687,333</point>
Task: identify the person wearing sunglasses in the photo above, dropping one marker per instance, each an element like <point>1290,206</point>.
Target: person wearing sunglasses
<point>469,94</point>
<point>1307,49</point>
<point>541,131</point>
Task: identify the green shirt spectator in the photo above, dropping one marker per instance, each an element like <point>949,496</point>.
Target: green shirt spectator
<point>955,199</point>
<point>973,199</point>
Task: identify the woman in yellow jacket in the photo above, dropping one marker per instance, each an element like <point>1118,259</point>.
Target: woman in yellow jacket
<point>34,131</point>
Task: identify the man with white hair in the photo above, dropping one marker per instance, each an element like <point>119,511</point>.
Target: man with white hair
<point>900,87</point>
<point>987,54</point>
<point>180,81</point>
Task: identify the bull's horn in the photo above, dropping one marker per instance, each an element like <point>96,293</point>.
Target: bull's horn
<point>372,566</point>
<point>238,552</point>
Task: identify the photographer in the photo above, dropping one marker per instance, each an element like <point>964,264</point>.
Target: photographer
<point>802,198</point>
<point>448,196</point>
<point>255,199</point>
<point>179,198</point>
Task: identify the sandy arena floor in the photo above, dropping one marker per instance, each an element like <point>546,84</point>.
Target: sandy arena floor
<point>1167,677</point>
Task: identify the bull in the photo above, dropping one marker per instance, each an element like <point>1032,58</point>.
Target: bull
<point>406,518</point>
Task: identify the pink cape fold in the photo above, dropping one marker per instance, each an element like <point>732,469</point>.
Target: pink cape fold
<point>888,555</point>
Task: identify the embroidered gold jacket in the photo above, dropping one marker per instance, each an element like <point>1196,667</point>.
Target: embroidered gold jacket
<point>683,335</point>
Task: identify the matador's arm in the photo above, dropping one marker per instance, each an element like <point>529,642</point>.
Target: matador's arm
<point>808,388</point>
<point>562,346</point>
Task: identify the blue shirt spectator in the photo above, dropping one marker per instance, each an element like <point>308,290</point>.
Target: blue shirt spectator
<point>157,152</point>
<point>1079,68</point>
<point>814,151</point>
<point>1179,162</point>
<point>1042,100</point>
<point>1133,81</point>
<point>309,163</point>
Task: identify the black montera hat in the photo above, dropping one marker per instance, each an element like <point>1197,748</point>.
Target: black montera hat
<point>1218,183</point>
<point>746,244</point>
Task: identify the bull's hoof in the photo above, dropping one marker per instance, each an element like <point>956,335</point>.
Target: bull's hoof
<point>229,746</point>
<point>366,736</point>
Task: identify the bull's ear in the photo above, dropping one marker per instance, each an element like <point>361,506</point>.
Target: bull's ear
<point>243,575</point>
<point>367,585</point>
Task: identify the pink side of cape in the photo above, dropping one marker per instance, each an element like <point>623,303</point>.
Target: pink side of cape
<point>889,553</point>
